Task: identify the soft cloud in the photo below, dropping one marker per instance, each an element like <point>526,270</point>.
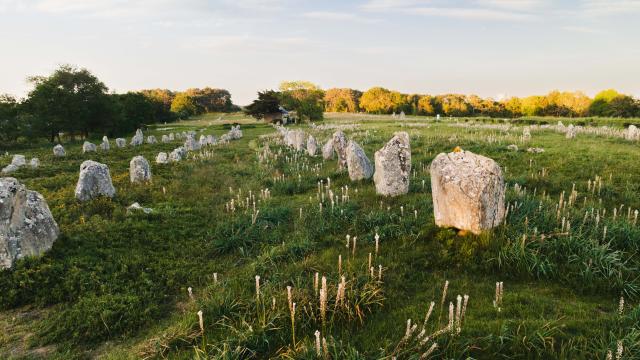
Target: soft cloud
<point>337,16</point>
<point>609,7</point>
<point>492,10</point>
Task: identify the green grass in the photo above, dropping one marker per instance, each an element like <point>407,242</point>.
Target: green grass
<point>115,284</point>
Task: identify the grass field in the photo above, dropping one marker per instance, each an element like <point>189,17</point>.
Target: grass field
<point>116,285</point>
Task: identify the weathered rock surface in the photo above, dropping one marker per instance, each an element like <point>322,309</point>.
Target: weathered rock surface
<point>162,158</point>
<point>27,227</point>
<point>312,146</point>
<point>512,147</point>
<point>120,142</point>
<point>94,180</point>
<point>137,207</point>
<point>178,154</point>
<point>203,141</point>
<point>58,151</point>
<point>139,170</point>
<point>296,139</point>
<point>358,163</point>
<point>18,160</point>
<point>88,147</point>
<point>105,146</point>
<point>34,163</point>
<point>137,139</point>
<point>235,133</point>
<point>211,140</point>
<point>467,191</point>
<point>327,150</point>
<point>172,137</point>
<point>393,166</point>
<point>571,131</point>
<point>340,147</point>
<point>151,139</point>
<point>9,169</point>
<point>165,139</point>
<point>191,144</point>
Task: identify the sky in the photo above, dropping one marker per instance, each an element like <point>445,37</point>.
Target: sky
<point>492,48</point>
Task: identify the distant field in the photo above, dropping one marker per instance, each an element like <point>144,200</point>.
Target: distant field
<point>115,285</point>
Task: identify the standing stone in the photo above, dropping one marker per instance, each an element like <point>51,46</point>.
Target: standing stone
<point>526,134</point>
<point>235,133</point>
<point>178,136</point>
<point>211,140</point>
<point>571,132</point>
<point>297,139</point>
<point>105,146</point>
<point>171,137</point>
<point>58,151</point>
<point>120,142</point>
<point>18,160</point>
<point>402,115</point>
<point>88,147</point>
<point>9,169</point>
<point>327,150</point>
<point>177,154</point>
<point>27,227</point>
<point>467,191</point>
<point>393,166</point>
<point>165,139</point>
<point>340,147</point>
<point>203,141</point>
<point>191,144</point>
<point>151,139</point>
<point>162,158</point>
<point>632,133</point>
<point>137,139</point>
<point>94,180</point>
<point>34,163</point>
<point>358,163</point>
<point>139,170</point>
<point>312,146</point>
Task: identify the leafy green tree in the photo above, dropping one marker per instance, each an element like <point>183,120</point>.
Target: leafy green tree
<point>161,99</point>
<point>212,100</point>
<point>136,109</point>
<point>513,106</point>
<point>378,100</point>
<point>342,100</point>
<point>268,102</point>
<point>426,105</point>
<point>623,106</point>
<point>304,97</point>
<point>455,105</point>
<point>71,100</point>
<point>9,129</point>
<point>184,105</point>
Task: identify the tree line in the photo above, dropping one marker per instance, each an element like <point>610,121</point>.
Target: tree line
<point>309,102</point>
<point>73,102</point>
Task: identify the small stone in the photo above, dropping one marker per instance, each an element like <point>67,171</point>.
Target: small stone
<point>151,139</point>
<point>88,147</point>
<point>34,163</point>
<point>139,170</point>
<point>513,147</point>
<point>94,180</point>
<point>137,207</point>
<point>177,154</point>
<point>165,139</point>
<point>162,158</point>
<point>571,132</point>
<point>358,163</point>
<point>9,169</point>
<point>58,151</point>
<point>18,160</point>
<point>191,144</point>
<point>121,143</point>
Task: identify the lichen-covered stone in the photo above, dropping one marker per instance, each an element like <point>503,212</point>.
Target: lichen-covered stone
<point>340,147</point>
<point>94,180</point>
<point>467,191</point>
<point>27,227</point>
<point>139,170</point>
<point>393,166</point>
<point>358,163</point>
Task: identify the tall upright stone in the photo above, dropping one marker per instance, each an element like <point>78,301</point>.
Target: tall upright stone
<point>358,163</point>
<point>312,146</point>
<point>340,147</point>
<point>467,191</point>
<point>27,227</point>
<point>327,150</point>
<point>94,180</point>
<point>139,170</point>
<point>138,138</point>
<point>105,146</point>
<point>88,147</point>
<point>393,166</point>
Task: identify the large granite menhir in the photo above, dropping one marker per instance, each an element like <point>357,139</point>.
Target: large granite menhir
<point>467,191</point>
<point>393,166</point>
<point>27,227</point>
